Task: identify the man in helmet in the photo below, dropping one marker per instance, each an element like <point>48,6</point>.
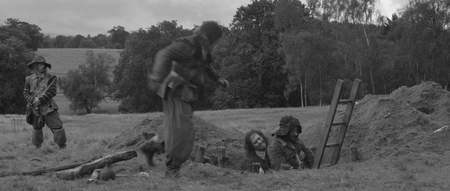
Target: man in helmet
<point>287,151</point>
<point>39,90</point>
<point>178,77</point>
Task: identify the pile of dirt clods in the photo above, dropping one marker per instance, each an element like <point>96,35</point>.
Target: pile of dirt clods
<point>404,122</point>
<point>207,135</point>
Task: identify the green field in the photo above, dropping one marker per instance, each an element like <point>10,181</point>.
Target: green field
<point>65,59</point>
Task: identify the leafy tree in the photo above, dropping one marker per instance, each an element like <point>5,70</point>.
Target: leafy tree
<point>88,85</point>
<point>130,75</point>
<point>259,77</point>
<point>75,42</point>
<point>101,40</point>
<point>118,35</point>
<point>61,41</point>
<point>14,54</point>
<point>88,43</point>
<point>28,33</point>
<point>47,43</point>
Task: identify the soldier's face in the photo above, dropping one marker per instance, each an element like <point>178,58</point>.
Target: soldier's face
<point>258,142</point>
<point>293,134</point>
<point>39,67</point>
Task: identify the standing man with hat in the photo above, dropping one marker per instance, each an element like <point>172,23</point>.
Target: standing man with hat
<point>285,151</point>
<point>178,77</point>
<point>39,90</point>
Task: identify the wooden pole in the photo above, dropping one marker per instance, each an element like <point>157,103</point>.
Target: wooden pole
<point>88,168</point>
<point>200,154</point>
<point>221,156</point>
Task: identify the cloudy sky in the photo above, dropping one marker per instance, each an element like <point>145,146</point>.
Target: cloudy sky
<point>72,17</point>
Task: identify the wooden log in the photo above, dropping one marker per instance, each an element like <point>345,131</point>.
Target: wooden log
<point>200,154</point>
<point>221,156</point>
<point>88,168</point>
<point>42,171</point>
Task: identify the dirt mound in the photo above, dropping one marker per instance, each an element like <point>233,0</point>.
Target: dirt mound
<point>401,123</point>
<point>207,135</point>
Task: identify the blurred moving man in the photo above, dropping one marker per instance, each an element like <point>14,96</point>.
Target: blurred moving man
<point>178,77</point>
<point>39,90</point>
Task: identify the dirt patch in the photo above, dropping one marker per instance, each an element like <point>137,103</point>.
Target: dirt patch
<point>207,135</point>
<point>401,123</point>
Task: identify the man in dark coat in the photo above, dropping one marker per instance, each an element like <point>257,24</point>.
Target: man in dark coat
<point>285,151</point>
<point>178,76</point>
<point>39,90</point>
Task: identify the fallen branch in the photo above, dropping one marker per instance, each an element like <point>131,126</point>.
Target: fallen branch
<point>42,171</point>
<point>88,168</point>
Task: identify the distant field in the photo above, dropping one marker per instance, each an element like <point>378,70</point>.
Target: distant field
<point>65,59</point>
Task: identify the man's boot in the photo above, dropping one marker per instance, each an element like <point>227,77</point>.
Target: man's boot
<point>37,137</point>
<point>59,136</point>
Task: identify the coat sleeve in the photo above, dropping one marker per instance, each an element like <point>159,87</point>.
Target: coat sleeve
<point>212,73</point>
<point>26,91</point>
<point>309,155</point>
<point>276,155</point>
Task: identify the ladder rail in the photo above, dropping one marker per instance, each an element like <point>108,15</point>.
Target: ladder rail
<point>343,128</point>
<point>328,123</point>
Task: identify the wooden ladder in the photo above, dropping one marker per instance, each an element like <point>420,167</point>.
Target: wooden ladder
<point>330,123</point>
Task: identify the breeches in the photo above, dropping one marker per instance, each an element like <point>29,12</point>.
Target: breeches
<point>179,130</point>
<point>52,121</point>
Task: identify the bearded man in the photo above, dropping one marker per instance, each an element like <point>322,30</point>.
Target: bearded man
<point>39,90</point>
<point>287,151</point>
<point>178,77</point>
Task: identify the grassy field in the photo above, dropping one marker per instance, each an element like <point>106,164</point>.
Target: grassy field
<point>90,134</point>
<point>65,59</point>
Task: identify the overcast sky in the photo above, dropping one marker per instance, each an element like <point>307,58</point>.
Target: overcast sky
<point>72,17</point>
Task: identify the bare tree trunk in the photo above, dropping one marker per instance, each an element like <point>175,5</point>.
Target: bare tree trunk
<point>320,86</point>
<point>301,95</point>
<point>417,73</point>
<point>371,79</point>
<point>306,98</point>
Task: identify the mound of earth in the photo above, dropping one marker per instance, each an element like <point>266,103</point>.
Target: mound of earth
<point>207,135</point>
<point>402,123</point>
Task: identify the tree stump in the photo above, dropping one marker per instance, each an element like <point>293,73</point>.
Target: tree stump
<point>199,154</point>
<point>221,156</point>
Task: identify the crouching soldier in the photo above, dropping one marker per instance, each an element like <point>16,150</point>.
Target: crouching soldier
<point>39,90</point>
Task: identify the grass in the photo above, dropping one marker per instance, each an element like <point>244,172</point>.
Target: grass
<point>88,136</point>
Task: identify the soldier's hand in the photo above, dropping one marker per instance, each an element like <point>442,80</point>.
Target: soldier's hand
<point>36,103</point>
<point>224,83</point>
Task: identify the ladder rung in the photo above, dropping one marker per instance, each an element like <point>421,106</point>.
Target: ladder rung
<point>332,145</point>
<point>338,123</point>
<point>345,101</point>
<point>326,165</point>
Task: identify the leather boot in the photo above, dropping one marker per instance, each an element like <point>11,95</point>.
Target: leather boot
<point>37,137</point>
<point>59,136</point>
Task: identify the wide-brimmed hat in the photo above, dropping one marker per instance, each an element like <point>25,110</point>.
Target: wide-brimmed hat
<point>39,59</point>
<point>287,123</point>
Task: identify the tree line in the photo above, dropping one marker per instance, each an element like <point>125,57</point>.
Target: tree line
<point>115,40</point>
<point>283,53</point>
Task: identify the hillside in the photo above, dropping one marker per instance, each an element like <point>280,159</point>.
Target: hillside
<point>65,59</point>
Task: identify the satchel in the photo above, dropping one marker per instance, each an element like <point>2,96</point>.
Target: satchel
<point>189,94</point>
<point>28,114</point>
